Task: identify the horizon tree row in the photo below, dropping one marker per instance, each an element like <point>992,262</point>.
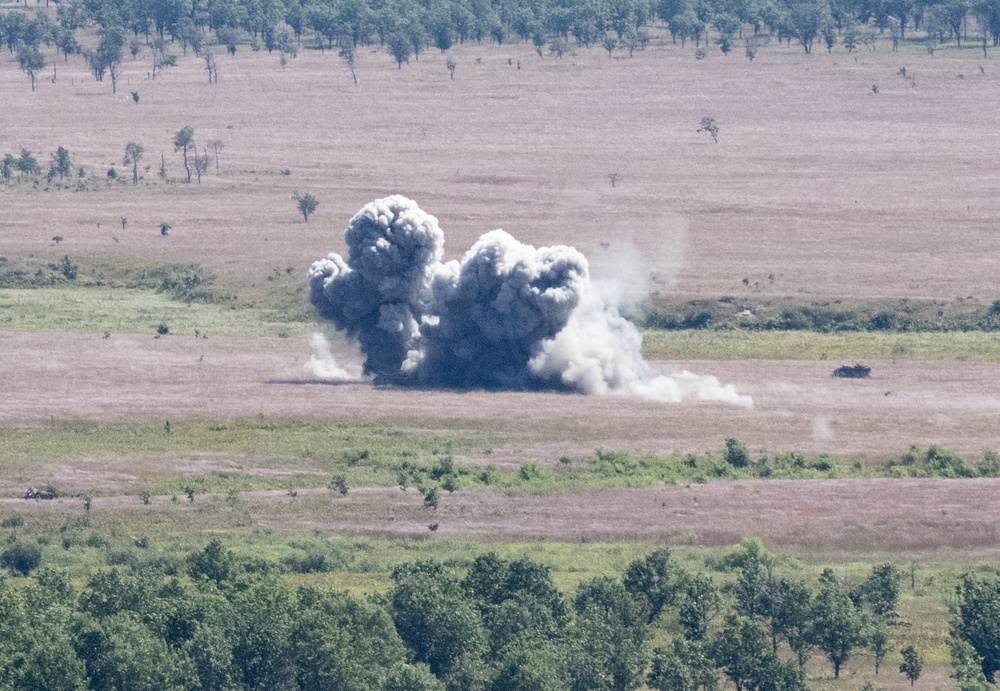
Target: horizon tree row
<point>407,27</point>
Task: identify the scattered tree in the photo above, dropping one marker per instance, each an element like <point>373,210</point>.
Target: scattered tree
<point>347,53</point>
<point>879,639</point>
<point>609,44</point>
<point>306,203</point>
<point>107,56</point>
<point>400,47</point>
<point>201,163</point>
<point>216,145</point>
<point>184,140</point>
<point>27,165</point>
<point>31,60</point>
<point>912,664</point>
<point>61,164</point>
<point>837,627</point>
<point>211,65</point>
<point>709,125</point>
<point>133,154</point>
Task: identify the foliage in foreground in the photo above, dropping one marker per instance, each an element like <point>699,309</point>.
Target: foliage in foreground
<point>216,621</point>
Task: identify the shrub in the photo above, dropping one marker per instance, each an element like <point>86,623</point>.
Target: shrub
<point>530,472</point>
<point>15,521</point>
<point>309,563</point>
<point>22,557</point>
<point>990,467</point>
<point>736,454</point>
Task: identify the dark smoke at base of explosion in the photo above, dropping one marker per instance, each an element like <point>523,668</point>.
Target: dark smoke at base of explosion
<point>508,316</point>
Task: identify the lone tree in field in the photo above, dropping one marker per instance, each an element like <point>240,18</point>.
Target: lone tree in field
<point>709,125</point>
<point>400,47</point>
<point>133,154</point>
<point>211,66</point>
<point>216,145</point>
<point>60,164</point>
<point>347,53</point>
<point>201,163</point>
<point>610,43</point>
<point>108,56</point>
<point>31,61</point>
<point>912,665</point>
<point>306,203</point>
<point>184,140</point>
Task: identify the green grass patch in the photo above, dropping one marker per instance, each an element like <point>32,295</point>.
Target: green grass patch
<point>292,453</point>
<point>348,442</point>
<point>131,310</point>
<point>279,453</point>
<point>808,345</point>
<point>622,469</point>
<point>756,312</point>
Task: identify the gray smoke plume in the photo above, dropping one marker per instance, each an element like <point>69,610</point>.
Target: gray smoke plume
<point>507,316</point>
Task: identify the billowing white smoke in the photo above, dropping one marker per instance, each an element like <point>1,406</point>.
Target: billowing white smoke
<point>321,363</point>
<point>507,316</point>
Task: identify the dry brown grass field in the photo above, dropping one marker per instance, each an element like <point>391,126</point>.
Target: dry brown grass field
<point>798,406</point>
<point>830,188</point>
<point>819,187</point>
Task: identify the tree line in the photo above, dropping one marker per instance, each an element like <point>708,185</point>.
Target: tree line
<point>220,622</point>
<point>407,27</point>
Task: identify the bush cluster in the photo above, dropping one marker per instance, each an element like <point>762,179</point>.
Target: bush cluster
<point>786,314</point>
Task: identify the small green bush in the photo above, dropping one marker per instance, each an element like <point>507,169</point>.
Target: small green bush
<point>22,557</point>
<point>736,454</point>
<point>15,521</point>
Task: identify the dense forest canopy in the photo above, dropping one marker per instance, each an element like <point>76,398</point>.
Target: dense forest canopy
<point>215,621</point>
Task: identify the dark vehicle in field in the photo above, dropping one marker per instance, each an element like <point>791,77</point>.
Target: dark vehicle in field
<point>855,372</point>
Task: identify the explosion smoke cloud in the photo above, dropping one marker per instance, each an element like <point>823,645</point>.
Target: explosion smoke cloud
<point>507,316</point>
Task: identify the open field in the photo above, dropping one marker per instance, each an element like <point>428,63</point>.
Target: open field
<point>817,187</point>
<point>897,517</point>
<point>798,406</point>
<point>820,187</point>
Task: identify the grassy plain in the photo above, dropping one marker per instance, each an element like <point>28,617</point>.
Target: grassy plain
<point>819,187</point>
